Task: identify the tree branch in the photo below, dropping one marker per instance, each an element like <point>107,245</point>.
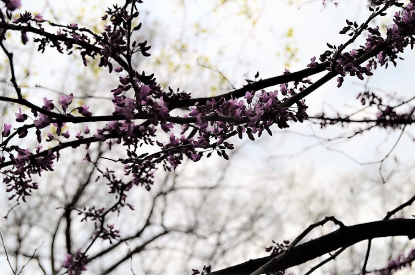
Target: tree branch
<point>343,237</point>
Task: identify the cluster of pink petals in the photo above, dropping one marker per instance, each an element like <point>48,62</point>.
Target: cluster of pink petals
<point>75,263</point>
<point>12,5</point>
<point>139,96</point>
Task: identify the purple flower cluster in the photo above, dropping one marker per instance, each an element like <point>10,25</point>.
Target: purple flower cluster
<point>75,264</point>
<point>12,5</point>
<point>18,178</point>
<point>277,248</point>
<point>252,115</point>
<point>25,163</point>
<point>398,263</point>
<point>205,127</point>
<point>109,233</point>
<point>398,37</point>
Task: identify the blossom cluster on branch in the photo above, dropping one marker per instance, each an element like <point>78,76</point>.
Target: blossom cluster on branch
<point>142,110</point>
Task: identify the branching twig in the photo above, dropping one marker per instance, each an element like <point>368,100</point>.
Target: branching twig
<point>399,208</point>
<point>341,238</point>
<point>332,257</point>
<point>33,255</point>
<point>265,268</point>
<point>7,254</point>
<point>219,72</point>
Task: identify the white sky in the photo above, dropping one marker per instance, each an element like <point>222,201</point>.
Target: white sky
<point>248,49</point>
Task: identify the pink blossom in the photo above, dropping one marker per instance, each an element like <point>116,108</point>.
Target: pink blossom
<point>124,80</point>
<point>283,88</point>
<point>6,130</point>
<point>166,126</point>
<point>84,110</point>
<point>313,63</point>
<point>39,18</point>
<point>249,96</point>
<point>79,136</point>
<point>12,5</point>
<point>42,122</point>
<point>65,101</point>
<point>20,117</point>
<point>22,132</point>
<point>117,91</point>
<point>66,134</point>
<point>50,137</point>
<point>47,104</point>
<point>75,263</point>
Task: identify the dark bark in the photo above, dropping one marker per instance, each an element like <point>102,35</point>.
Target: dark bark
<point>343,237</point>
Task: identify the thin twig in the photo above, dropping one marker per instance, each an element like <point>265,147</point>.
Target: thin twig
<point>332,257</point>
<point>369,244</point>
<point>11,209</point>
<point>399,208</point>
<point>129,250</point>
<point>264,268</point>
<point>219,72</point>
<point>7,254</point>
<point>33,255</point>
<point>387,217</point>
<point>13,78</point>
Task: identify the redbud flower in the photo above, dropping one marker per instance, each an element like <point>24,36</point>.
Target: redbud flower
<point>6,130</point>
<point>249,97</point>
<point>20,117</point>
<point>12,5</point>
<point>22,132</point>
<point>283,89</point>
<point>84,110</point>
<point>47,104</point>
<point>39,18</point>
<point>42,122</point>
<point>76,263</point>
<point>117,91</point>
<point>66,134</point>
<point>124,80</point>
<point>65,101</point>
<point>313,63</point>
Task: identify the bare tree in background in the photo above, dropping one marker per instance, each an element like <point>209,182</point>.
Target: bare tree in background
<point>149,128</point>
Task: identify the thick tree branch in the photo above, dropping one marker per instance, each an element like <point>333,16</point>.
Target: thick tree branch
<point>343,237</point>
<point>255,86</point>
<point>366,56</point>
